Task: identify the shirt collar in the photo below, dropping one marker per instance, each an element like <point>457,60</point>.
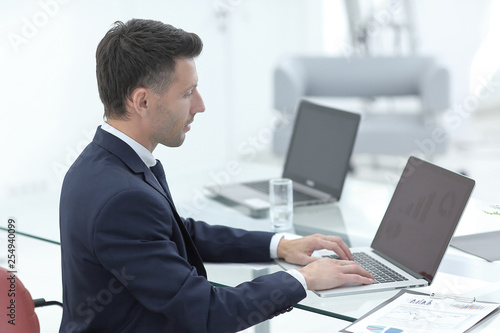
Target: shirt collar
<point>145,155</point>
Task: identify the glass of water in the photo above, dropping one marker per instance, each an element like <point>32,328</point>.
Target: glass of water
<point>281,204</point>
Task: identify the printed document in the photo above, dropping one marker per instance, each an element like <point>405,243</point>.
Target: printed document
<point>413,312</point>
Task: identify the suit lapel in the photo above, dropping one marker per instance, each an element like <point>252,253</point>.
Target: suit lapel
<point>128,156</point>
<point>125,153</point>
<point>151,180</point>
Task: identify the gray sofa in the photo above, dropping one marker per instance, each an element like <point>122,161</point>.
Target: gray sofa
<point>398,132</point>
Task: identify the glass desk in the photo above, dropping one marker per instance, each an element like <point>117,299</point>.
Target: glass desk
<point>355,218</point>
<point>356,221</point>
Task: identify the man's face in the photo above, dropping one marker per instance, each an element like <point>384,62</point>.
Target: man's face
<point>174,111</point>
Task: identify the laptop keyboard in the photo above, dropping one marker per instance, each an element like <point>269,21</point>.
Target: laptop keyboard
<point>263,186</point>
<point>381,273</point>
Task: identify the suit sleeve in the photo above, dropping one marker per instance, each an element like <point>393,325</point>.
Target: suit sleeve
<point>134,233</point>
<point>224,244</point>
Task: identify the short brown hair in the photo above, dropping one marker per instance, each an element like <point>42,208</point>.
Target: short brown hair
<point>139,53</point>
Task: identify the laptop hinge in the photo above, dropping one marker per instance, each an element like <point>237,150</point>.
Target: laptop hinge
<point>404,268</point>
<point>311,191</point>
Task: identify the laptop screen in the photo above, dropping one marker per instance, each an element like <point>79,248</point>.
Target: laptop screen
<point>422,216</point>
<point>321,147</point>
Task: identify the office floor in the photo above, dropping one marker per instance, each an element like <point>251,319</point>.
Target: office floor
<point>478,156</point>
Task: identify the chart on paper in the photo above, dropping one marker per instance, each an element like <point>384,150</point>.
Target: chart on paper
<point>413,312</point>
<point>419,318</point>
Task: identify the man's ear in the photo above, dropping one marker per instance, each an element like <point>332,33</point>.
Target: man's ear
<point>140,101</point>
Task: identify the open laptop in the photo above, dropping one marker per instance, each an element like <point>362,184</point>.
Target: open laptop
<point>317,159</point>
<point>415,231</point>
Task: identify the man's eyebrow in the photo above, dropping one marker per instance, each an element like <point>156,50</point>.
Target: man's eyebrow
<point>191,87</point>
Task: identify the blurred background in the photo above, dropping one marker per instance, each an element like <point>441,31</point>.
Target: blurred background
<point>52,108</point>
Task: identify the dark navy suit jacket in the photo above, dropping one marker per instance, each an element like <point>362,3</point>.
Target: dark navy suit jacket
<point>131,264</point>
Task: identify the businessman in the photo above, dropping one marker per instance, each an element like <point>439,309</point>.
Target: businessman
<point>130,263</point>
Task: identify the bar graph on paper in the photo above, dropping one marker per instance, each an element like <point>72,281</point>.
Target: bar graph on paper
<point>468,306</point>
<point>383,329</point>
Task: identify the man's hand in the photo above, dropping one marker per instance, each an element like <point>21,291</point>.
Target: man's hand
<point>298,251</point>
<point>323,273</point>
<point>329,273</point>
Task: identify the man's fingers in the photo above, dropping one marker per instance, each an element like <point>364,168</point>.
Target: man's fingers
<point>336,245</point>
<point>354,278</point>
<point>306,260</point>
<point>309,259</point>
<point>353,273</point>
<point>327,273</point>
<point>352,268</point>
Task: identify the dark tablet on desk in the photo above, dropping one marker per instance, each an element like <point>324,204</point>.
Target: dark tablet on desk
<point>485,245</point>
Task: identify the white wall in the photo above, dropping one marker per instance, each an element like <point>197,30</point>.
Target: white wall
<point>50,102</point>
<point>51,105</point>
<point>454,37</point>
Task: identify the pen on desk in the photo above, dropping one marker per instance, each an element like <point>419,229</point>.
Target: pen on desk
<point>454,297</point>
